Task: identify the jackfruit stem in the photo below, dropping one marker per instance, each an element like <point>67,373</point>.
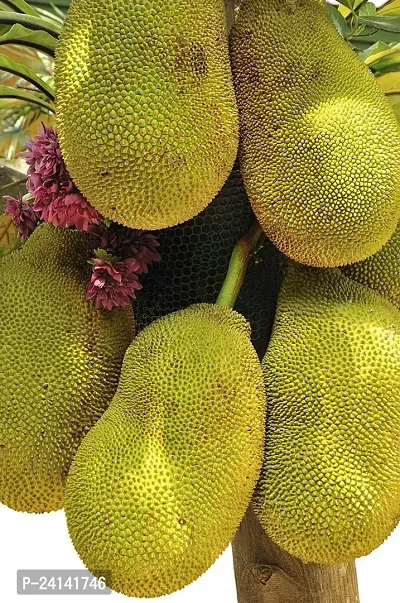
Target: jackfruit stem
<point>241,254</point>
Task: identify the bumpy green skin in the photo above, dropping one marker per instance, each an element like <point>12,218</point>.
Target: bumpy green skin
<point>159,486</point>
<point>60,364</point>
<point>320,145</point>
<point>146,112</point>
<point>330,485</point>
<point>381,271</point>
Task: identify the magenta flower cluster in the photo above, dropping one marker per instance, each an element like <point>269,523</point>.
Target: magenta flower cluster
<point>22,214</point>
<point>114,282</point>
<point>121,253</point>
<point>56,198</point>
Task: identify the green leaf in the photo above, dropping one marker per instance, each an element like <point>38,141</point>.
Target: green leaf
<point>347,3</point>
<point>375,49</point>
<point>26,96</point>
<point>55,14</point>
<point>385,62</point>
<point>39,40</point>
<point>369,37</point>
<point>367,9</point>
<point>20,6</point>
<point>390,8</point>
<point>390,23</point>
<point>389,83</point>
<point>35,23</point>
<point>347,11</point>
<point>27,74</point>
<point>105,257</point>
<point>338,20</point>
<point>394,100</point>
<point>382,57</point>
<point>9,238</point>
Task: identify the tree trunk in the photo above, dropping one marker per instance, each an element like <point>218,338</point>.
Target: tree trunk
<point>230,11</point>
<point>267,574</point>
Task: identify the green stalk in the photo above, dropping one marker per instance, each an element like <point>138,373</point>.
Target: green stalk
<point>241,254</point>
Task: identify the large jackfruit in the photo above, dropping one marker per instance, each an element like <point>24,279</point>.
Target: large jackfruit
<point>320,145</point>
<point>158,487</point>
<point>381,271</point>
<point>60,363</point>
<point>146,111</point>
<point>330,485</point>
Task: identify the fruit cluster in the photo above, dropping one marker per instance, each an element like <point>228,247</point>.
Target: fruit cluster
<point>156,442</point>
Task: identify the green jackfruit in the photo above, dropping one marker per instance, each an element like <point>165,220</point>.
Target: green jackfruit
<point>160,484</point>
<point>381,271</point>
<point>146,111</point>
<point>60,364</point>
<point>320,145</point>
<point>330,485</point>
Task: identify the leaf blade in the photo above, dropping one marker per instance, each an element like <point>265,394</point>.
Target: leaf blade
<point>338,20</point>
<point>367,9</point>
<point>390,8</point>
<point>26,96</point>
<point>347,3</point>
<point>30,22</point>
<point>39,40</point>
<point>390,23</point>
<point>11,66</point>
<point>20,6</point>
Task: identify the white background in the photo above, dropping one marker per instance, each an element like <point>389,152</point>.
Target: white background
<point>42,542</point>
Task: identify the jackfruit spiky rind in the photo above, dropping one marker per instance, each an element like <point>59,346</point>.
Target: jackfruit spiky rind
<point>381,271</point>
<point>320,145</point>
<point>146,112</point>
<point>158,487</point>
<point>329,489</point>
<point>60,363</point>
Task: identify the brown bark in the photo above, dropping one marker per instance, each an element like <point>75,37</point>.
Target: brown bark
<point>230,9</point>
<point>265,573</point>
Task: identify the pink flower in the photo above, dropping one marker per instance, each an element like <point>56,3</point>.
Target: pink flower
<point>43,155</point>
<point>113,281</point>
<point>69,209</point>
<point>57,199</point>
<point>22,214</point>
<point>126,242</point>
<point>143,246</point>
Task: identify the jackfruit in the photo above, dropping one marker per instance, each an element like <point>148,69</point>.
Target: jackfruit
<point>146,111</point>
<point>159,486</point>
<point>60,363</point>
<point>381,271</point>
<point>329,489</point>
<point>320,145</point>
